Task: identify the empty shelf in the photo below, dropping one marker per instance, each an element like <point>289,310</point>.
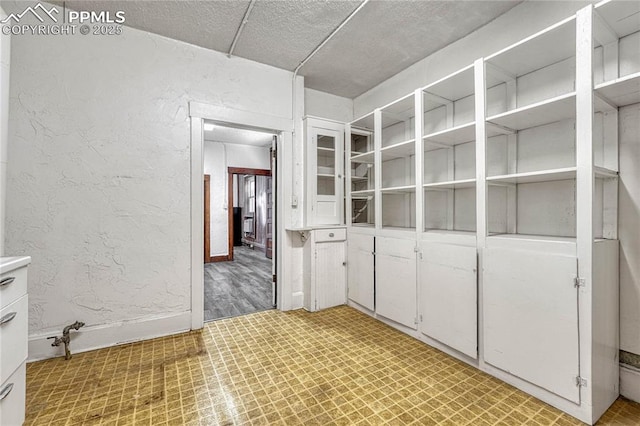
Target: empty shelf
<point>454,184</point>
<point>545,112</point>
<point>532,177</point>
<point>399,189</point>
<point>366,158</point>
<point>453,136</point>
<point>398,150</point>
<point>622,91</point>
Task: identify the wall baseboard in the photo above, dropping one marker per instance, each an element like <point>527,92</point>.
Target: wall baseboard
<point>297,300</point>
<point>630,382</point>
<point>103,336</point>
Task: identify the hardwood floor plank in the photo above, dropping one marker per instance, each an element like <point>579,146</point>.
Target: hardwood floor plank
<point>238,287</point>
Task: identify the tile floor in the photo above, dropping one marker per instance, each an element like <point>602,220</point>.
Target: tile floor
<point>332,367</point>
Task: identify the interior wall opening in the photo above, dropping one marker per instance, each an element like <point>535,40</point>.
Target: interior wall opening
<point>239,215</point>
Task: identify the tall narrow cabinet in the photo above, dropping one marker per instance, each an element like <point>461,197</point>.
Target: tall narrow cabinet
<point>491,216</point>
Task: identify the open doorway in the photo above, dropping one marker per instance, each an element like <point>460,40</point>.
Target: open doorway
<point>239,212</point>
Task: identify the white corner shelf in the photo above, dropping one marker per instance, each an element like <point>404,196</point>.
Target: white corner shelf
<point>398,150</point>
<point>533,177</point>
<point>454,184</point>
<point>622,91</point>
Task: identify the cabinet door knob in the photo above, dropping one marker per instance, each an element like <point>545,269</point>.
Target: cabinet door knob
<point>7,318</point>
<point>6,391</point>
<point>344,263</point>
<point>7,281</point>
<point>331,234</point>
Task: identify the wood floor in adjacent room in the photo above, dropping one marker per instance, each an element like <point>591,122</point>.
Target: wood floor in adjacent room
<point>238,287</point>
<point>336,366</point>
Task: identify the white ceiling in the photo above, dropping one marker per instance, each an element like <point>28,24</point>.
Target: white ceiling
<point>232,135</point>
<point>385,36</point>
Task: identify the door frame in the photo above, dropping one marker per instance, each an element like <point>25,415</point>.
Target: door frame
<point>207,219</point>
<point>284,128</point>
<point>236,171</point>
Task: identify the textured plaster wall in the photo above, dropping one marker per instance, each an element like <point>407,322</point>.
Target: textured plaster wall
<point>99,179</point>
<point>253,157</point>
<point>5,59</point>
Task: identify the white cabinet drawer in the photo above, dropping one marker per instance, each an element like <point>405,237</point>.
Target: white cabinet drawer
<point>338,234</point>
<point>13,394</point>
<point>13,337</point>
<point>13,285</point>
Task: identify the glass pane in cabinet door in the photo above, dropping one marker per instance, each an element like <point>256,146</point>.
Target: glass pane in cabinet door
<point>326,170</point>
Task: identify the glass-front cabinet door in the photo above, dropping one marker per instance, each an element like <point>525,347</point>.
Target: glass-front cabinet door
<point>325,148</point>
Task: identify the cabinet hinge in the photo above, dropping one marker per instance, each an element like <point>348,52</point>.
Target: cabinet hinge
<point>416,249</point>
<point>579,282</point>
<point>581,382</point>
<point>420,317</point>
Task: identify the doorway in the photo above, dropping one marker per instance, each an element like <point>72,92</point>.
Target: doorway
<point>239,212</point>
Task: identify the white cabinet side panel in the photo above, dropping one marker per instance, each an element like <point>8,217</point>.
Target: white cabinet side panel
<point>531,318</point>
<point>605,376</point>
<point>396,280</point>
<point>449,296</point>
<point>360,269</point>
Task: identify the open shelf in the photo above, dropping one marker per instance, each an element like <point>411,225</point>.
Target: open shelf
<point>405,189</point>
<point>524,237</point>
<point>398,150</point>
<point>362,194</point>
<point>398,111</point>
<point>367,158</point>
<point>455,86</point>
<point>453,136</point>
<point>544,48</point>
<point>622,91</point>
<point>556,109</point>
<point>619,16</point>
<point>454,184</point>
<point>537,176</point>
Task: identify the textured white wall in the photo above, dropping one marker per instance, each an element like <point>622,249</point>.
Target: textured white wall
<point>5,59</point>
<point>325,105</point>
<point>98,184</point>
<point>252,157</point>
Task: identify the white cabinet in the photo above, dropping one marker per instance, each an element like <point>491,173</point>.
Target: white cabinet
<point>449,295</point>
<point>531,317</point>
<point>505,175</point>
<point>325,172</point>
<point>325,269</point>
<point>14,311</point>
<point>396,280</point>
<point>360,268</point>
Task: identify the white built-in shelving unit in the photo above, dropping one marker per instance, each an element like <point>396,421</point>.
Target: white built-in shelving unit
<point>491,209</point>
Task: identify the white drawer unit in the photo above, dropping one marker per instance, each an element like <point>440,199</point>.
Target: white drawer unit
<point>13,398</point>
<point>14,316</point>
<point>325,269</point>
<point>13,340</point>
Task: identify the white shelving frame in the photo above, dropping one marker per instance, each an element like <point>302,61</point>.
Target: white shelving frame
<point>593,105</point>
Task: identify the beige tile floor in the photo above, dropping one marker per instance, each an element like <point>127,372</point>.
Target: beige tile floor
<point>332,367</point>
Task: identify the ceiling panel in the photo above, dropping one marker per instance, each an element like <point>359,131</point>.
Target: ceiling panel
<point>211,24</point>
<point>386,37</point>
<point>283,33</point>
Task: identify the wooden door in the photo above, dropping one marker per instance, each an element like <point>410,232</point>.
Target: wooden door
<point>268,251</point>
<point>530,310</point>
<point>360,269</point>
<point>396,280</point>
<point>449,296</point>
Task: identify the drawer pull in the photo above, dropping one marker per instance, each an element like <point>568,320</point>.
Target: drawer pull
<point>7,281</point>
<point>7,318</point>
<point>331,235</point>
<point>6,391</point>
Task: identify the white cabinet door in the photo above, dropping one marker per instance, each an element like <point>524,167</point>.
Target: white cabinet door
<point>396,280</point>
<point>325,172</point>
<point>330,274</point>
<point>360,269</point>
<point>531,318</point>
<point>449,296</point>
